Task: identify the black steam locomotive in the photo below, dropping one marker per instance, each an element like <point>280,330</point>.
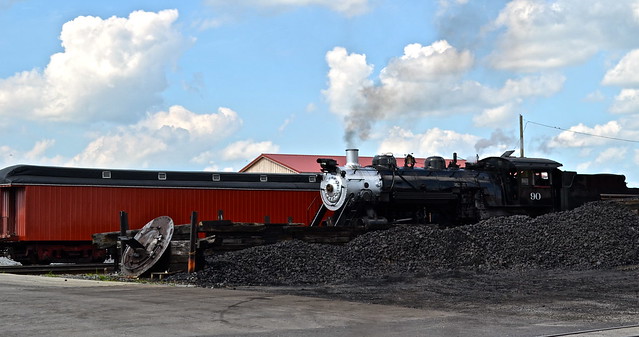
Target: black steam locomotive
<point>449,195</point>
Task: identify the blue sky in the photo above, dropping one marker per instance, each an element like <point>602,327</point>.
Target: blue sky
<point>209,85</point>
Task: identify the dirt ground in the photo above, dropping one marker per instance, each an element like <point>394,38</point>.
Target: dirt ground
<point>606,296</point>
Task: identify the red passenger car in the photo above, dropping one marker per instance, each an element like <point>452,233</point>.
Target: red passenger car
<point>50,213</point>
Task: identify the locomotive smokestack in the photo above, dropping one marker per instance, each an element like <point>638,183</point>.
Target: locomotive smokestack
<point>352,157</point>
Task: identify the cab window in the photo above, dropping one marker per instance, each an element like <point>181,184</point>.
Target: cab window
<point>541,178</point>
<point>525,178</point>
<point>534,178</point>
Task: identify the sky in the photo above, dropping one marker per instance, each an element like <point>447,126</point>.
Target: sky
<point>212,84</point>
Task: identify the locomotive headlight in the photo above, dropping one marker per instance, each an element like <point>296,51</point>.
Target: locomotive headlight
<point>329,188</point>
<point>333,191</point>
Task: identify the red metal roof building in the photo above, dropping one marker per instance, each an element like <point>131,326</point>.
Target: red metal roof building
<point>305,163</point>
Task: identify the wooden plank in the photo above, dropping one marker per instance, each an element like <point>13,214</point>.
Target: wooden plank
<point>179,247</point>
<point>110,239</point>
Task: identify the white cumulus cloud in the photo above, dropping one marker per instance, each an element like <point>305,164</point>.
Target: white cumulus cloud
<point>248,149</point>
<point>37,154</point>
<point>198,126</point>
<point>424,81</point>
<point>529,86</point>
<point>428,63</point>
<point>539,35</point>
<point>494,116</point>
<point>110,70</point>
<point>626,102</point>
<point>626,72</point>
<point>607,160</point>
<point>171,138</point>
<point>347,76</point>
<point>433,142</point>
<point>408,84</point>
<point>580,135</point>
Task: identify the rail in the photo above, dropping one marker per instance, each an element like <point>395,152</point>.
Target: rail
<point>618,196</point>
<point>98,268</point>
<point>629,200</point>
<point>623,330</point>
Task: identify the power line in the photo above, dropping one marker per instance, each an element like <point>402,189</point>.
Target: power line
<point>583,133</point>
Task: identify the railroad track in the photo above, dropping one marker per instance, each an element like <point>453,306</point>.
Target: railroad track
<point>615,331</point>
<point>59,269</point>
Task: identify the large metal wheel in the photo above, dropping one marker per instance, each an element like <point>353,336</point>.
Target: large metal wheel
<point>155,237</point>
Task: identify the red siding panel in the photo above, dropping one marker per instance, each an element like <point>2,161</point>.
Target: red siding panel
<point>54,213</point>
<point>5,213</point>
<point>20,219</point>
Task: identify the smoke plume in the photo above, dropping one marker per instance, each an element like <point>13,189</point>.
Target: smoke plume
<point>498,139</point>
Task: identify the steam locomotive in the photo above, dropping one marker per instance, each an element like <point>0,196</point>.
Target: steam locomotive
<point>451,195</point>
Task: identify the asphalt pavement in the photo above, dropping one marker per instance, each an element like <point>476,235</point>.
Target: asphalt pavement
<point>58,306</point>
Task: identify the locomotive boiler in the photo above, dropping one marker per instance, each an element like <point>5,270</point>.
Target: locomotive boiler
<point>448,194</point>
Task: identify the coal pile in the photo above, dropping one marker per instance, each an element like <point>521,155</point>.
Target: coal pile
<point>598,235</point>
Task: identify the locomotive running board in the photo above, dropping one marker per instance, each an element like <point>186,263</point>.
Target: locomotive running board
<point>425,196</point>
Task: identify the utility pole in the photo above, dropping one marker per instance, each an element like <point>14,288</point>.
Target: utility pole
<point>521,135</point>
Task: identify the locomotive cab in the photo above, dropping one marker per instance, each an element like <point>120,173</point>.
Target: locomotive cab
<point>535,187</point>
<point>530,185</point>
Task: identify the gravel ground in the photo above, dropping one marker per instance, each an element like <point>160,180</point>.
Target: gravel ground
<point>581,264</point>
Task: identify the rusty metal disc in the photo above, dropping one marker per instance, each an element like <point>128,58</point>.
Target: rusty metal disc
<point>155,237</point>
